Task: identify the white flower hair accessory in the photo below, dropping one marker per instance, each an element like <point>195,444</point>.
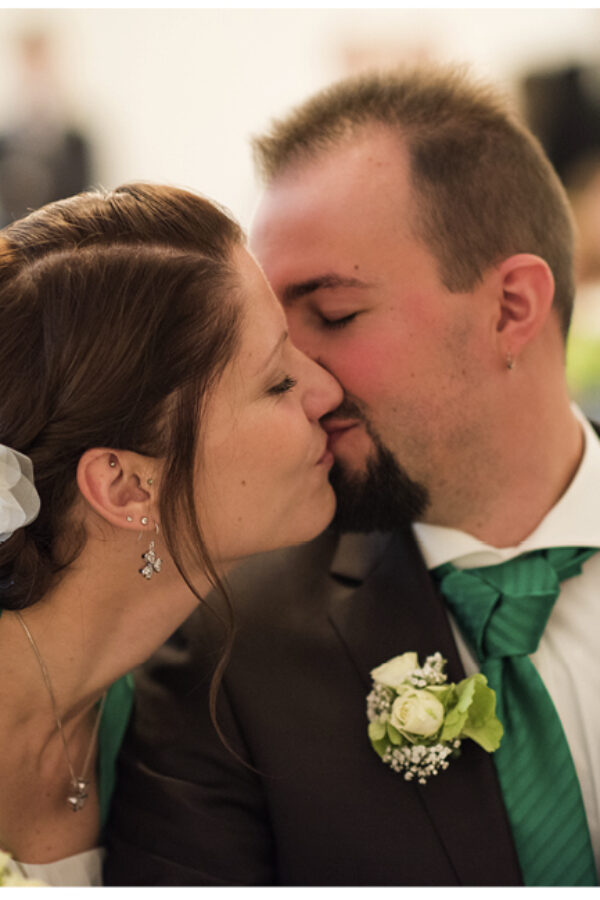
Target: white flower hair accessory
<point>417,720</point>
<point>19,500</point>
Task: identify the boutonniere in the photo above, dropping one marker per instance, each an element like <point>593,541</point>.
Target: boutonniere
<point>417,720</point>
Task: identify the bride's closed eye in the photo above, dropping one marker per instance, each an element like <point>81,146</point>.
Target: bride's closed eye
<point>285,385</point>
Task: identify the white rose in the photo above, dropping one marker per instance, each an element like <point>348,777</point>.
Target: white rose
<point>417,712</point>
<point>395,671</point>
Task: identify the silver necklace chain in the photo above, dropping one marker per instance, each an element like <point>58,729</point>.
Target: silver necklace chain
<point>79,784</point>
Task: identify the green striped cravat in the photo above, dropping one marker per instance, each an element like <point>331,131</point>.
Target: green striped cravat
<point>502,611</point>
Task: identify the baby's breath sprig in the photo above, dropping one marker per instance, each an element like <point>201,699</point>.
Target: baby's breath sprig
<point>417,720</point>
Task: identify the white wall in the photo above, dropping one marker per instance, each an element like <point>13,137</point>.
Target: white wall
<point>174,95</point>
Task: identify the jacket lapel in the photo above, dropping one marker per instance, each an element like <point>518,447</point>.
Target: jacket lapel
<point>397,609</point>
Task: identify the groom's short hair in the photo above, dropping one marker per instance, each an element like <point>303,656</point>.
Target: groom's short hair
<point>484,187</point>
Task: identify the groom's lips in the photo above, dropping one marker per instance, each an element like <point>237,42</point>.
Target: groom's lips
<point>337,428</point>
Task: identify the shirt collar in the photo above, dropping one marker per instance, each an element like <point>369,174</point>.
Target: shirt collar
<point>573,521</point>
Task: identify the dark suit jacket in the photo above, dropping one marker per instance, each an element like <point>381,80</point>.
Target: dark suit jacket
<point>313,805</point>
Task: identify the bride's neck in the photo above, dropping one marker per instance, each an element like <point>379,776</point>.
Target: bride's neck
<point>101,620</point>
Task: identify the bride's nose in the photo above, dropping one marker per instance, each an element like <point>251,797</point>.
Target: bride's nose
<point>322,392</point>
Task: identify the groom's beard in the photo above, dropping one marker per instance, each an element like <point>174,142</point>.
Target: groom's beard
<point>384,498</point>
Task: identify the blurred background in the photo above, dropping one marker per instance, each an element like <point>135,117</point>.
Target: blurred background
<point>103,96</point>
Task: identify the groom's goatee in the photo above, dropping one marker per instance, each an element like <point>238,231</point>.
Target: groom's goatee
<point>384,498</point>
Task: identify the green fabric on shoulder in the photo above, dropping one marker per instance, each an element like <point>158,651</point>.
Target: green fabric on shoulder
<point>115,718</point>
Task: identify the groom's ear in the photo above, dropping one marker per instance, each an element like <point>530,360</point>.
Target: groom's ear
<point>524,300</point>
<point>115,484</point>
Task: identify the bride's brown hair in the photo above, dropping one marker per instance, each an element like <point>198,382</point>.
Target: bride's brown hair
<point>118,311</point>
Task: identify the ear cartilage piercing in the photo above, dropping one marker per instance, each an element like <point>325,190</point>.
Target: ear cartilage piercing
<point>144,520</point>
<point>112,463</point>
<point>129,518</point>
<point>150,481</point>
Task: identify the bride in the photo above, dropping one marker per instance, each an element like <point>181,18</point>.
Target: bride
<point>156,426</point>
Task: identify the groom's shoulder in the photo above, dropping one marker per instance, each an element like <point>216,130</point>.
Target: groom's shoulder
<point>289,570</point>
<point>288,590</point>
<point>273,598</point>
<point>263,590</point>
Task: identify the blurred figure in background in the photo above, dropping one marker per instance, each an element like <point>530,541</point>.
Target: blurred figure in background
<point>563,109</point>
<point>43,157</point>
<point>583,350</point>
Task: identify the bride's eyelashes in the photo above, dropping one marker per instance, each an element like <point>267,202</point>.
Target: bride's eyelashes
<point>285,385</point>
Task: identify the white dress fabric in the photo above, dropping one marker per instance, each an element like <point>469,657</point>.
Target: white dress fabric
<point>81,870</point>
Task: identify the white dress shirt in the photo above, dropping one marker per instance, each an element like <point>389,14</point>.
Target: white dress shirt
<point>568,656</point>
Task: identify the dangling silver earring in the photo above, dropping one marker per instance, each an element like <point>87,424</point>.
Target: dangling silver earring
<point>153,562</point>
<point>510,363</point>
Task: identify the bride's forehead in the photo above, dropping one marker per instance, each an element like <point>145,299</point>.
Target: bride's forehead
<point>259,304</point>
<point>262,323</point>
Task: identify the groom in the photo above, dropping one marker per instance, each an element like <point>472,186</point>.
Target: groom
<point>422,247</point>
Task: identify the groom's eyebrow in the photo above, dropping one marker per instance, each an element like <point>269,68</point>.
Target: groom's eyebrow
<point>328,281</point>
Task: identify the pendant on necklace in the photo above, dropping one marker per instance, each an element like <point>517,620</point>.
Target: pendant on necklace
<point>79,796</point>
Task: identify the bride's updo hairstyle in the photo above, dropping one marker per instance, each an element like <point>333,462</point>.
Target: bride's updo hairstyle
<point>118,312</point>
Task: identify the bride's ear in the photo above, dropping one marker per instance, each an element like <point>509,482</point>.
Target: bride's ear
<point>115,484</point>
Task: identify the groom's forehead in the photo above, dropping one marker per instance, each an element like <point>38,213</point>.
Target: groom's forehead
<point>322,217</point>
